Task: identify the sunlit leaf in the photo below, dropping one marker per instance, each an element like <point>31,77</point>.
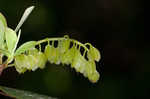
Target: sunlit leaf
<point>33,51</point>
<point>2,30</point>
<point>5,52</point>
<point>11,39</point>
<point>3,19</point>
<point>24,47</point>
<point>3,26</point>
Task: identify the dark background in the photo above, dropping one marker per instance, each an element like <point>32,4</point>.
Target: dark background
<point>114,25</point>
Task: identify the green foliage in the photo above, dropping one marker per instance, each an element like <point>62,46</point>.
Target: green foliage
<point>20,94</point>
<point>11,39</point>
<point>28,57</point>
<point>3,25</point>
<point>25,46</point>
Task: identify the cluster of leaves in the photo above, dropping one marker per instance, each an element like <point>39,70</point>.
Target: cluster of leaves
<point>29,57</point>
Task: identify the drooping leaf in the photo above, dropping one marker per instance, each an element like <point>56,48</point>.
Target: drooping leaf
<point>11,39</point>
<point>24,47</point>
<point>21,94</point>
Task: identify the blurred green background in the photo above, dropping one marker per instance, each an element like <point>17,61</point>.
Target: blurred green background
<point>114,25</point>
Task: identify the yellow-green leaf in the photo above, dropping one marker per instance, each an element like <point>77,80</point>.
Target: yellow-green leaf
<point>3,19</point>
<point>33,51</point>
<point>3,26</point>
<point>11,39</point>
<point>24,47</point>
